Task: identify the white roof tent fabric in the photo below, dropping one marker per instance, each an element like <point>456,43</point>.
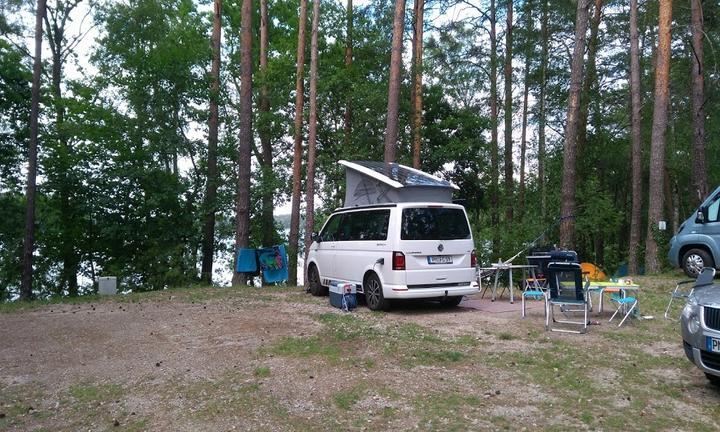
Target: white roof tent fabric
<point>369,183</point>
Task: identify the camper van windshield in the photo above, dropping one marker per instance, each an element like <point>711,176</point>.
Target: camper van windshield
<point>430,223</point>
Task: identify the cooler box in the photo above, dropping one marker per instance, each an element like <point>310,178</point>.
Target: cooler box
<point>337,290</point>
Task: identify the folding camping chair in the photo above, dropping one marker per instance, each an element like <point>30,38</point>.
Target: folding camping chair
<point>705,278</point>
<point>626,303</point>
<point>565,283</point>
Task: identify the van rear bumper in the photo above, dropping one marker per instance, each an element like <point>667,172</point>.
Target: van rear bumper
<point>403,292</point>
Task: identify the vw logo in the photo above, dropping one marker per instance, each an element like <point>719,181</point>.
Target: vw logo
<point>440,247</point>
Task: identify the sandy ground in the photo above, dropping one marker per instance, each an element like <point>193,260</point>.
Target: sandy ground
<point>178,362</point>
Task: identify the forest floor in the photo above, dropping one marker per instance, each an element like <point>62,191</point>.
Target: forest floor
<point>273,359</point>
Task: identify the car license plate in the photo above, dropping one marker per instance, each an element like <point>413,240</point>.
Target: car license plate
<point>713,344</point>
<point>439,259</point>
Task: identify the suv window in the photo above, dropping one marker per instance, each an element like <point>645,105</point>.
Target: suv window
<point>329,232</point>
<point>364,225</point>
<point>431,223</point>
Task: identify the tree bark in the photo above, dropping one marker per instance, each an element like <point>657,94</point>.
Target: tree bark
<point>567,214</point>
<point>393,108</point>
<point>541,109</point>
<point>210,205</point>
<point>347,120</point>
<point>698,104</point>
<point>590,81</point>
<point>508,115</point>
<point>242,231</point>
<point>523,136</point>
<point>297,148</point>
<point>417,81</point>
<point>29,242</point>
<point>312,131</point>
<point>636,152</point>
<point>657,144</point>
<point>494,151</point>
<point>55,31</point>
<point>268,234</point>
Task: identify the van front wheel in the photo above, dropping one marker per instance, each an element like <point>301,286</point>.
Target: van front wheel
<point>694,260</point>
<point>374,294</point>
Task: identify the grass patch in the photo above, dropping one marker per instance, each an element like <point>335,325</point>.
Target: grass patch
<point>307,347</point>
<point>262,372</point>
<point>87,393</point>
<point>506,336</point>
<point>345,399</point>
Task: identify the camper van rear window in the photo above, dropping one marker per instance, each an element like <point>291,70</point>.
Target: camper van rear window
<point>432,223</point>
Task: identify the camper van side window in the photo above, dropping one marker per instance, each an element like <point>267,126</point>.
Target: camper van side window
<point>713,211</point>
<point>364,225</point>
<point>329,233</point>
<point>370,225</point>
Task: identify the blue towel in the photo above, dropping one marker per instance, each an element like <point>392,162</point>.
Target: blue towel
<point>280,274</point>
<point>246,261</point>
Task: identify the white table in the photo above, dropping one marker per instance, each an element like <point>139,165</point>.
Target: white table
<point>497,268</point>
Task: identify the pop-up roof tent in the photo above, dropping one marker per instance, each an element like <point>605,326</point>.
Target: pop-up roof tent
<point>370,183</point>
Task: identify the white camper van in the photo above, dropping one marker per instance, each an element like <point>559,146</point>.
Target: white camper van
<point>395,250</point>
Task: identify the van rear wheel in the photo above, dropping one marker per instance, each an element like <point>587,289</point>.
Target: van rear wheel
<point>694,261</point>
<point>374,297</point>
<point>450,301</point>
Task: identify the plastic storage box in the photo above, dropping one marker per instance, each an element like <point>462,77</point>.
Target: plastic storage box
<point>338,289</point>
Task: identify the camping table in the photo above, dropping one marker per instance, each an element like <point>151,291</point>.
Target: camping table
<point>613,287</point>
<point>501,267</point>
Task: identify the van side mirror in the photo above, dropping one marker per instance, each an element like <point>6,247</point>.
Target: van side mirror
<point>700,216</point>
<point>316,237</point>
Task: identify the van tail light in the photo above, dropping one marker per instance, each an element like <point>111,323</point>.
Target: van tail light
<point>398,262</point>
<point>473,259</point>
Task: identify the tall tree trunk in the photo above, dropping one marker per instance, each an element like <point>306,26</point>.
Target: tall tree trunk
<point>698,104</point>
<point>657,144</point>
<point>312,131</point>
<point>636,152</point>
<point>541,109</point>
<point>29,243</point>
<point>523,136</point>
<point>494,152</point>
<point>417,81</point>
<point>590,81</point>
<point>266,161</point>
<point>242,231</point>
<point>508,115</point>
<point>393,108</point>
<point>297,148</point>
<point>347,127</point>
<point>567,214</point>
<point>55,31</point>
<point>210,205</point>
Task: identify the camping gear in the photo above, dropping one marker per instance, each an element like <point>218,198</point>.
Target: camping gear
<point>566,291</point>
<point>534,293</point>
<point>246,261</point>
<point>622,304</point>
<point>706,278</point>
<point>593,272</point>
<point>273,263</point>
<point>370,182</point>
<point>343,295</point>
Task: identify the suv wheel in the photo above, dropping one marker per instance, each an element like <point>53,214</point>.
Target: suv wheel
<point>714,379</point>
<point>316,288</point>
<point>694,260</point>
<point>374,297</point>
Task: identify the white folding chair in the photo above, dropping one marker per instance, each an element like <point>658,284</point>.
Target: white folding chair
<point>681,292</point>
